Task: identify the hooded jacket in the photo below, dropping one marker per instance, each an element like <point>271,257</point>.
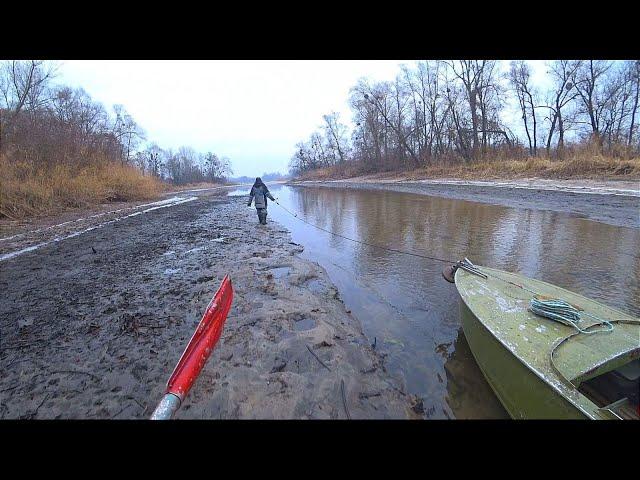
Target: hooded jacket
<point>259,193</point>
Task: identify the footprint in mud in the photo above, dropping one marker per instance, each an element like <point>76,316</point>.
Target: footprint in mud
<point>301,322</point>
<point>278,365</point>
<point>304,324</point>
<point>280,272</point>
<point>204,278</point>
<point>275,333</point>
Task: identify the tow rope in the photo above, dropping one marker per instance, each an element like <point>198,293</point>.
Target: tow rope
<point>362,242</point>
<point>554,309</point>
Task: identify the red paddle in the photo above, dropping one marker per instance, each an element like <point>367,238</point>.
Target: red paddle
<point>197,352</point>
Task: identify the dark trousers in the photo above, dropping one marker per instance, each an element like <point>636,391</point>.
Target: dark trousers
<point>262,215</point>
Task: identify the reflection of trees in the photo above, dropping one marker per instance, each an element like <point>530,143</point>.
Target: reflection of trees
<point>327,209</point>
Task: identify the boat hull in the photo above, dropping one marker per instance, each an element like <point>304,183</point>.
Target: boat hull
<point>522,393</point>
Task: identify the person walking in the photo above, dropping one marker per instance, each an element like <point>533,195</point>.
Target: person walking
<point>259,194</point>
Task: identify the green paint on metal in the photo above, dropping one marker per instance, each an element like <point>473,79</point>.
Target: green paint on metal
<point>514,347</point>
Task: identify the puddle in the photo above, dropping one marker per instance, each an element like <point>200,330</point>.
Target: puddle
<point>280,272</point>
<point>315,285</point>
<point>240,192</point>
<point>304,324</point>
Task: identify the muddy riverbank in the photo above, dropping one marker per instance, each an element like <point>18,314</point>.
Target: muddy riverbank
<point>613,203</point>
<point>94,315</point>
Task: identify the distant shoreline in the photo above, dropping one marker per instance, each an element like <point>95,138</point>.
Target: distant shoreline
<point>612,202</point>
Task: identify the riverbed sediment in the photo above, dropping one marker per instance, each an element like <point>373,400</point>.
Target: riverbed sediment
<point>93,324</point>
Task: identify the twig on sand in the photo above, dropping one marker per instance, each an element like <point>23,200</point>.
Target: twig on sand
<point>18,360</point>
<point>10,388</point>
<point>35,413</point>
<point>143,407</point>
<point>31,386</point>
<point>317,358</point>
<point>344,399</point>
<point>23,344</point>
<point>122,410</point>
<point>95,377</point>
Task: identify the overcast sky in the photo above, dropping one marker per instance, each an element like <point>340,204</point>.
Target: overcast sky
<point>254,112</point>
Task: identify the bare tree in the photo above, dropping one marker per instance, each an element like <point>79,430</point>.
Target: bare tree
<point>590,81</point>
<point>336,135</point>
<point>127,131</point>
<point>22,87</point>
<point>520,78</point>
<point>562,73</point>
<point>154,159</point>
<point>633,76</point>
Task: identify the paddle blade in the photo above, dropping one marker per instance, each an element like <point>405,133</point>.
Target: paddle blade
<point>202,342</point>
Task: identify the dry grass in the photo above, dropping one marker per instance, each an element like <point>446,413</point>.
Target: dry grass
<point>26,191</point>
<point>577,166</point>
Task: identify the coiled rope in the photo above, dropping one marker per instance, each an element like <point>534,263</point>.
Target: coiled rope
<point>557,309</point>
<point>563,312</point>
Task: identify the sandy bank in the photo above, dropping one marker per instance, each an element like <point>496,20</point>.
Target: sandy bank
<point>607,187</point>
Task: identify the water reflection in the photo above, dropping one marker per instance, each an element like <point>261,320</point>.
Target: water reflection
<point>469,395</point>
<point>404,302</point>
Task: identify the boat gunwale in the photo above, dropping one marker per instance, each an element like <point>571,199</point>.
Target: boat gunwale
<point>599,368</point>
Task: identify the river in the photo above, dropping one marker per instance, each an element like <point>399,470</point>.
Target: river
<point>403,303</point>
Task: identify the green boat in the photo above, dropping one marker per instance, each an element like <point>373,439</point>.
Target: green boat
<point>541,368</point>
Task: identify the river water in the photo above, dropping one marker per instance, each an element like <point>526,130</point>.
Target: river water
<point>405,306</point>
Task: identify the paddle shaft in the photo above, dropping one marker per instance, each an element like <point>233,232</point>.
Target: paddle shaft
<point>167,407</point>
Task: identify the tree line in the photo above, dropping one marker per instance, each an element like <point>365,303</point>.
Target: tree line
<point>265,177</point>
<point>44,124</point>
<point>454,112</point>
